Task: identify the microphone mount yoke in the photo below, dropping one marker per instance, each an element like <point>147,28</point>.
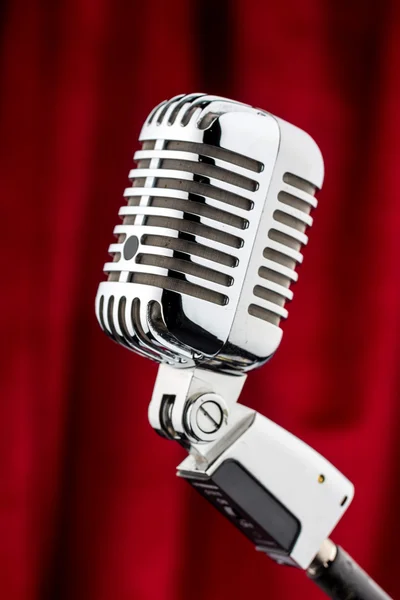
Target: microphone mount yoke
<point>278,491</point>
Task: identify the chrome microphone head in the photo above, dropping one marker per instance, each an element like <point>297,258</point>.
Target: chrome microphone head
<point>211,234</point>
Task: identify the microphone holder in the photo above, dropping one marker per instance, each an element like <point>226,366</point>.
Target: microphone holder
<point>278,491</point>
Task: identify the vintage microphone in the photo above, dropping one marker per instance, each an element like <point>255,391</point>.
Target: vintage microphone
<point>202,266</point>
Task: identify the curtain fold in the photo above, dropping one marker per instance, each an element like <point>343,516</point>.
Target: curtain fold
<point>89,504</point>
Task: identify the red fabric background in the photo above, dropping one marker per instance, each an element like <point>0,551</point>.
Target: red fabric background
<point>89,504</point>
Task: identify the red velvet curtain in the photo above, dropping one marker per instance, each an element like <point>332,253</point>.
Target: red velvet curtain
<point>89,504</point>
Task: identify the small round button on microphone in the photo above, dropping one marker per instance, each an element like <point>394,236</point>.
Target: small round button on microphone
<point>131,247</point>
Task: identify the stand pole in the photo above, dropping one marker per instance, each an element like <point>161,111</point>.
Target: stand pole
<point>341,578</point>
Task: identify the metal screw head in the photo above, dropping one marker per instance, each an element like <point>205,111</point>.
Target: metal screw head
<point>205,418</point>
<point>209,417</point>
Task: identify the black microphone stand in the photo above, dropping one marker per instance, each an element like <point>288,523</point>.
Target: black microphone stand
<point>341,578</point>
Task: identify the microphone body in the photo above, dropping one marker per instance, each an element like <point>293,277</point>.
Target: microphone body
<point>211,235</point>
